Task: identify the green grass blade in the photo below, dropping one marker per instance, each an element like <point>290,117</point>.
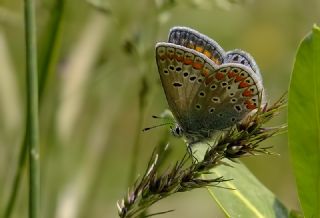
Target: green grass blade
<point>244,195</point>
<point>304,123</point>
<point>32,109</point>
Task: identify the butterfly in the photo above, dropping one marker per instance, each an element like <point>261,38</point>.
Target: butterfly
<point>207,89</point>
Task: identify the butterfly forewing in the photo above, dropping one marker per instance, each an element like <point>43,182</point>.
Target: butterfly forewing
<point>192,39</point>
<point>182,72</point>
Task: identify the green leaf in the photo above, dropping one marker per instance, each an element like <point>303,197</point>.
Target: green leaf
<point>244,195</point>
<point>304,122</point>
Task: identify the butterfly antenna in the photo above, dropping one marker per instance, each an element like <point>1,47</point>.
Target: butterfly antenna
<point>152,127</point>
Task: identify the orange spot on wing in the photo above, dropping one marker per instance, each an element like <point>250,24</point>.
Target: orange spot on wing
<point>162,57</point>
<point>197,65</point>
<point>249,105</point>
<point>247,93</point>
<point>199,48</point>
<point>207,53</point>
<point>188,61</point>
<point>179,58</point>
<point>208,80</point>
<point>231,74</point>
<point>205,72</point>
<point>243,84</point>
<point>219,76</point>
<point>239,78</point>
<point>171,56</point>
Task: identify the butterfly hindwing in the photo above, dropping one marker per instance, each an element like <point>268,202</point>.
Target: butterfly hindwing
<point>232,93</point>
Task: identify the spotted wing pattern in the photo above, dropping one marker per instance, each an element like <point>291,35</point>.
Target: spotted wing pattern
<point>202,95</point>
<point>192,39</point>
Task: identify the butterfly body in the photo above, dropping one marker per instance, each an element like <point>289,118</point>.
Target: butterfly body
<point>207,89</point>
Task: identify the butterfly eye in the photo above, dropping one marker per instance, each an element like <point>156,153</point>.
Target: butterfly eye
<point>177,131</point>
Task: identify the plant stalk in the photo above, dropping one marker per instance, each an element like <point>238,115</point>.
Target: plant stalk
<point>32,109</point>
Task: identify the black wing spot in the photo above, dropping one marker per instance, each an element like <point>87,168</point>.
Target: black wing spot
<point>242,74</point>
<point>213,87</point>
<point>200,80</point>
<point>178,69</point>
<point>220,115</point>
<point>176,84</point>
<point>233,100</point>
<point>171,67</point>
<point>215,99</point>
<point>243,62</point>
<point>223,84</point>
<point>229,87</point>
<point>238,108</point>
<point>231,94</point>
<point>202,94</point>
<point>235,70</point>
<point>165,71</point>
<point>193,78</point>
<point>235,58</point>
<point>233,119</point>
<point>211,110</point>
<point>223,70</point>
<point>185,74</point>
<point>198,106</point>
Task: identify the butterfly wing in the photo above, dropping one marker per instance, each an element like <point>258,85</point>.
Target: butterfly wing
<point>244,58</point>
<point>202,96</point>
<point>232,93</point>
<point>190,38</point>
<point>182,71</point>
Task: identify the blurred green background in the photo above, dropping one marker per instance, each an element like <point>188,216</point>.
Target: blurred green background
<point>99,87</point>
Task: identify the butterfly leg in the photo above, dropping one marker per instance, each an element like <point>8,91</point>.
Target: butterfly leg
<point>193,157</point>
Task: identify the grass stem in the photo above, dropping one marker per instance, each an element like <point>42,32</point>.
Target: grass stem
<point>32,109</point>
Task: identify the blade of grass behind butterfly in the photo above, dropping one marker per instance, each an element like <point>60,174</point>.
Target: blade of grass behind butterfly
<point>244,195</point>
